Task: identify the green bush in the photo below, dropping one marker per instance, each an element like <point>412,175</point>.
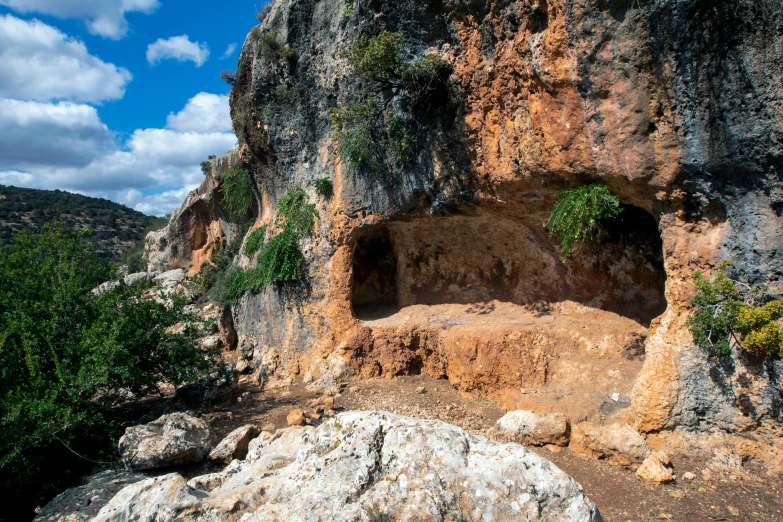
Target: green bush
<point>280,260</point>
<point>324,187</point>
<point>352,128</point>
<point>230,77</point>
<point>66,354</point>
<point>400,133</point>
<point>272,48</point>
<point>378,58</point>
<point>725,316</point>
<point>577,214</point>
<point>220,290</point>
<point>255,241</point>
<point>421,75</point>
<point>285,95</point>
<point>237,190</point>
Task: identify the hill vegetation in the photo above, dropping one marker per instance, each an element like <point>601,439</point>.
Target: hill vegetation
<point>115,229</point>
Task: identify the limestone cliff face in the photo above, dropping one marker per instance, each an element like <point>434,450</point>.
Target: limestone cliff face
<point>441,265</point>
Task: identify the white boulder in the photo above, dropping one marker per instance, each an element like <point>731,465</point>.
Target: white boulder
<point>527,427</point>
<point>177,438</point>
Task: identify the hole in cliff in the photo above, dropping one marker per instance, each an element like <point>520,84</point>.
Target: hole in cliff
<point>374,289</point>
<point>479,259</point>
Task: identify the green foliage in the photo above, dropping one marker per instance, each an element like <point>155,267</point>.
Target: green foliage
<point>324,187</point>
<point>230,77</point>
<point>280,260</point>
<point>66,354</point>
<point>421,75</point>
<point>212,273</point>
<point>577,214</point>
<point>400,133</point>
<point>255,241</point>
<point>261,16</point>
<point>352,128</point>
<point>288,53</point>
<point>237,190</point>
<point>272,48</point>
<point>115,228</point>
<point>378,58</point>
<point>284,94</point>
<point>724,316</point>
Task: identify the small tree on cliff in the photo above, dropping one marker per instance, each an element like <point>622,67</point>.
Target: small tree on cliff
<point>577,214</point>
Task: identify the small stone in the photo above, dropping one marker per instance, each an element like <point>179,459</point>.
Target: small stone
<point>244,398</point>
<point>527,427</point>
<point>664,458</point>
<point>234,446</point>
<point>243,367</point>
<point>553,448</point>
<point>353,389</point>
<point>652,471</point>
<point>733,511</point>
<point>619,444</point>
<point>296,418</point>
<point>421,389</point>
<point>688,476</point>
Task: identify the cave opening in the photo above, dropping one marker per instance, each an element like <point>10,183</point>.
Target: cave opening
<point>488,257</point>
<point>374,288</point>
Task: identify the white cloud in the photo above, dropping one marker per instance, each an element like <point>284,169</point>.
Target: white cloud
<point>153,172</point>
<point>38,62</point>
<point>203,113</point>
<point>178,48</point>
<point>33,133</point>
<point>102,17</point>
<point>229,51</point>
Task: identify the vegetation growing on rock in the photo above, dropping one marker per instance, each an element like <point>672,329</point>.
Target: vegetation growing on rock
<point>725,316</point>
<point>237,190</point>
<point>280,260</point>
<point>255,241</point>
<point>324,187</point>
<point>577,214</point>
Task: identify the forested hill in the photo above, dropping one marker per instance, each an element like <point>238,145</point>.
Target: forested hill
<point>115,228</point>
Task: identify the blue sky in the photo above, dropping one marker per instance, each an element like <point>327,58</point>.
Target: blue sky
<point>117,98</point>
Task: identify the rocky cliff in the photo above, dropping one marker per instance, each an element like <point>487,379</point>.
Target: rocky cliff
<point>437,262</point>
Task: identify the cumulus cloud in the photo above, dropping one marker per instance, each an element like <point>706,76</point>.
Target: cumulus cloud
<point>203,113</point>
<point>229,51</point>
<point>178,48</point>
<point>103,17</point>
<point>38,62</point>
<point>34,133</point>
<point>153,171</point>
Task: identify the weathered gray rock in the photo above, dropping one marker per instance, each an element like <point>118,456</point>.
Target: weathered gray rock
<point>108,286</point>
<point>159,499</point>
<point>527,427</point>
<point>169,280</point>
<point>619,444</point>
<point>172,439</point>
<point>367,465</point>
<point>234,446</point>
<point>140,277</point>
<point>82,503</point>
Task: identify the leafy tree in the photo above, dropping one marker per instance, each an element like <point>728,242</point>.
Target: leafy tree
<point>726,316</point>
<point>237,190</point>
<point>68,355</point>
<point>577,214</point>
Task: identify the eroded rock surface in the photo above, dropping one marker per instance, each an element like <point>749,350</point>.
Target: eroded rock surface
<point>176,438</point>
<point>366,465</point>
<point>234,445</point>
<point>527,427</point>
<point>619,444</point>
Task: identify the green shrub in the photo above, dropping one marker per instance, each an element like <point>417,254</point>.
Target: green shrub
<point>280,260</point>
<point>400,138</point>
<point>420,75</point>
<point>237,190</point>
<point>378,58</point>
<point>220,291</point>
<point>288,53</point>
<point>324,187</point>
<point>352,128</point>
<point>577,214</point>
<point>255,241</point>
<point>284,94</point>
<point>66,354</point>
<point>724,316</point>
<point>230,77</point>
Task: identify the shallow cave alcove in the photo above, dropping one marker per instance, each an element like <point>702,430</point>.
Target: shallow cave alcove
<point>374,288</point>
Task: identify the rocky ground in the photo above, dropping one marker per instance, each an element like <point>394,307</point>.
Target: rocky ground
<point>740,494</point>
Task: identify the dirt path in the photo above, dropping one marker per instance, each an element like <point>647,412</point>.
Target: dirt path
<point>618,494</point>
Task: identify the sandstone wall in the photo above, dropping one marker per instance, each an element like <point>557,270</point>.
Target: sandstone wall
<point>676,105</point>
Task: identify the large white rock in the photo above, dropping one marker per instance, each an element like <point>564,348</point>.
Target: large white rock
<point>234,446</point>
<point>177,438</point>
<point>158,499</point>
<point>82,503</point>
<point>170,279</point>
<point>367,466</point>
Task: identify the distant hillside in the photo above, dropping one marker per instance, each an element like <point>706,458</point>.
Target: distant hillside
<point>116,229</point>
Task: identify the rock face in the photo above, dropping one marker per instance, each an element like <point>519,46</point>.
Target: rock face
<point>234,446</point>
<point>653,471</point>
<point>526,427</point>
<point>417,267</point>
<point>82,503</point>
<point>619,444</point>
<point>176,438</point>
<point>366,465</point>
